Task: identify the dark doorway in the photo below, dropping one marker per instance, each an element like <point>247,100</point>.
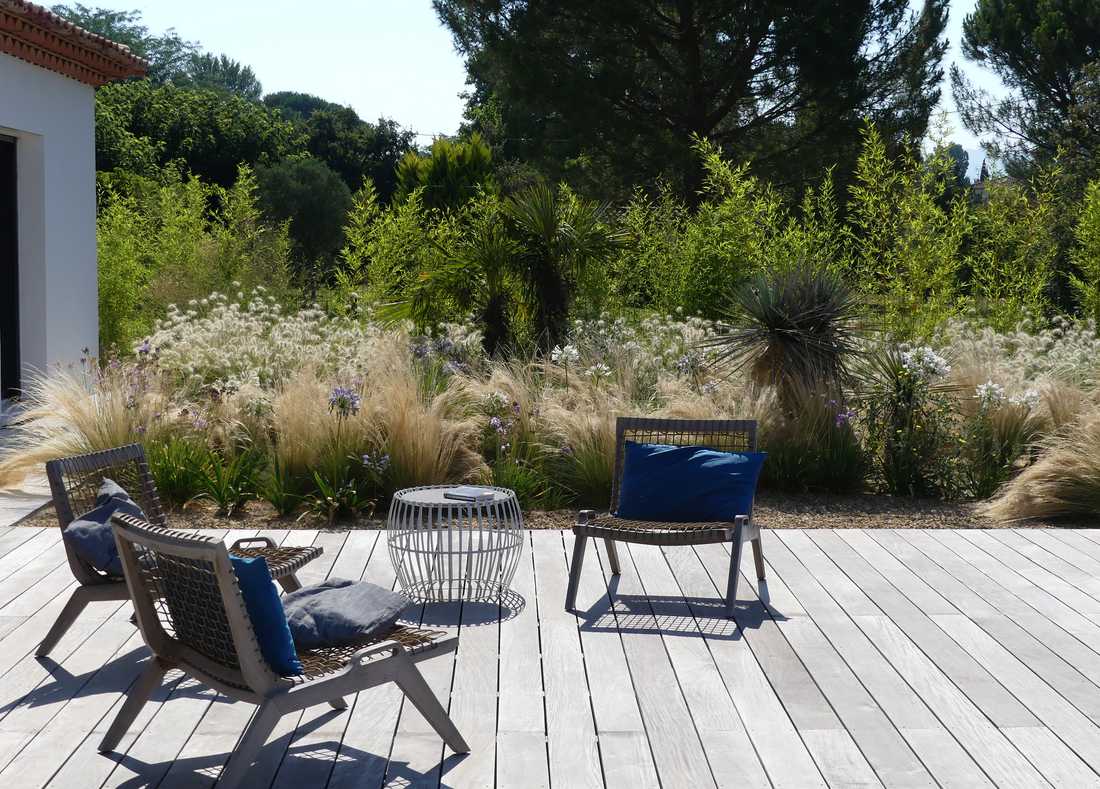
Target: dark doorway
<point>9,273</point>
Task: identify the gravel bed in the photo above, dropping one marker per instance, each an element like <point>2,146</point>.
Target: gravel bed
<point>772,510</point>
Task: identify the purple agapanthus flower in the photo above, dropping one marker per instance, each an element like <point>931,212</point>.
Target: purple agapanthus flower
<point>844,417</point>
<point>344,401</point>
<point>145,346</point>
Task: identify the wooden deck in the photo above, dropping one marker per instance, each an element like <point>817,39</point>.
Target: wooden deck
<point>896,658</point>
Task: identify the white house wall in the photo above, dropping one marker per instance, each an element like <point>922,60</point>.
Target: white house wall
<point>53,119</point>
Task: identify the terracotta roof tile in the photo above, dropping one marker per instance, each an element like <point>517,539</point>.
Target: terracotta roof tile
<point>39,36</point>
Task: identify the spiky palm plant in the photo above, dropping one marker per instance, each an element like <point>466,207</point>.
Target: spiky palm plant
<point>559,237</point>
<point>795,328</point>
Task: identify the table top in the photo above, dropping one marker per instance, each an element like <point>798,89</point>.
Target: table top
<point>432,496</point>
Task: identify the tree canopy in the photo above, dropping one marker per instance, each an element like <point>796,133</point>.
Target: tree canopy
<point>615,92</point>
<point>209,132</point>
<point>1040,49</point>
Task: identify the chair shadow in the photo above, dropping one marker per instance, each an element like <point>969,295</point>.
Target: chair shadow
<point>676,615</point>
<point>369,767</point>
<point>115,676</point>
<point>473,612</point>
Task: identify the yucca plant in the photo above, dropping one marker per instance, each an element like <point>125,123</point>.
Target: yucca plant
<point>795,328</point>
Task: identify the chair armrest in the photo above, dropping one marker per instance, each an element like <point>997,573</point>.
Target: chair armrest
<point>244,542</point>
<point>584,516</point>
<point>363,656</point>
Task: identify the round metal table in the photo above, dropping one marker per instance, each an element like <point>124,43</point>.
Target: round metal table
<point>445,550</point>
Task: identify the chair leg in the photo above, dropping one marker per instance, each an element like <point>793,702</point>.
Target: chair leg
<point>758,556</point>
<point>416,690</point>
<point>290,583</point>
<point>338,703</point>
<point>579,544</point>
<point>612,556</point>
<point>735,569</point>
<point>78,601</point>
<point>236,769</point>
<point>146,684</point>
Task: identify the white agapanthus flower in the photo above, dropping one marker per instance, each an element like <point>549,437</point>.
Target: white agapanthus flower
<point>1029,399</point>
<point>567,355</point>
<point>925,363</point>
<point>599,371</point>
<point>990,394</point>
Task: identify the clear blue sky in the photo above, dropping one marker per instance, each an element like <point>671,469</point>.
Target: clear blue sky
<point>383,57</point>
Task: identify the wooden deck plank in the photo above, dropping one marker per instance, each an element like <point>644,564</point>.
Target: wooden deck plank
<point>418,757</point>
<point>474,694</point>
<point>717,722</point>
<point>979,686</point>
<point>1086,606</point>
<point>1046,604</point>
<point>1015,603</point>
<point>571,730</point>
<point>1037,550</point>
<point>1067,722</point>
<point>1059,763</point>
<point>521,754</point>
<point>838,757</point>
<point>625,749</point>
<point>886,751</point>
<point>673,736</point>
<point>277,750</point>
<point>1054,541</point>
<point>1059,575</point>
<point>777,742</point>
<point>985,743</point>
<point>958,714</point>
<point>372,716</point>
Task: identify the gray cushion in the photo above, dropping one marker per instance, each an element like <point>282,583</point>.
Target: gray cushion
<point>340,612</point>
<point>90,535</point>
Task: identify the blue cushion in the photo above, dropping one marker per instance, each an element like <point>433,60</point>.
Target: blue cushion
<point>667,483</point>
<point>340,612</point>
<point>266,612</point>
<point>90,535</point>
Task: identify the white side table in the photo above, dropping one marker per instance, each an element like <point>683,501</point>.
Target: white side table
<point>445,550</point>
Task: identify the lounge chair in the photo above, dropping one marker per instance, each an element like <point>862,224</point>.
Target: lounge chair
<point>74,482</point>
<point>724,435</point>
<point>193,618</point>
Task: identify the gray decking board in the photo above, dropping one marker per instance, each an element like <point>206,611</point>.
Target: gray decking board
<point>875,658</point>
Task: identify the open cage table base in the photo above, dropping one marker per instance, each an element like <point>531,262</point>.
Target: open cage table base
<point>445,550</point>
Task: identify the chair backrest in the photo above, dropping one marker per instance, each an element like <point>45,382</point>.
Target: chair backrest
<point>725,435</point>
<point>189,606</point>
<point>75,480</point>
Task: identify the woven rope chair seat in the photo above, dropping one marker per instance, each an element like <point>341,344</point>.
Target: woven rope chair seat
<point>282,561</point>
<point>663,531</point>
<point>330,660</point>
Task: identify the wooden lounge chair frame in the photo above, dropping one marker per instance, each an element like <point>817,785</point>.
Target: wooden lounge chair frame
<point>727,435</point>
<point>74,482</point>
<point>193,618</point>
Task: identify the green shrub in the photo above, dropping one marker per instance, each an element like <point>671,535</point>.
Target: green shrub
<point>177,465</point>
<point>314,201</point>
<point>906,251</point>
<point>909,420</point>
<point>814,449</point>
<point>995,437</point>
<point>177,241</point>
<point>1085,281</point>
<point>230,479</point>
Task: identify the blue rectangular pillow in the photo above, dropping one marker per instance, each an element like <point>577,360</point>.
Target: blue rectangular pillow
<point>90,535</point>
<point>266,612</point>
<point>669,483</point>
<point>340,612</point>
